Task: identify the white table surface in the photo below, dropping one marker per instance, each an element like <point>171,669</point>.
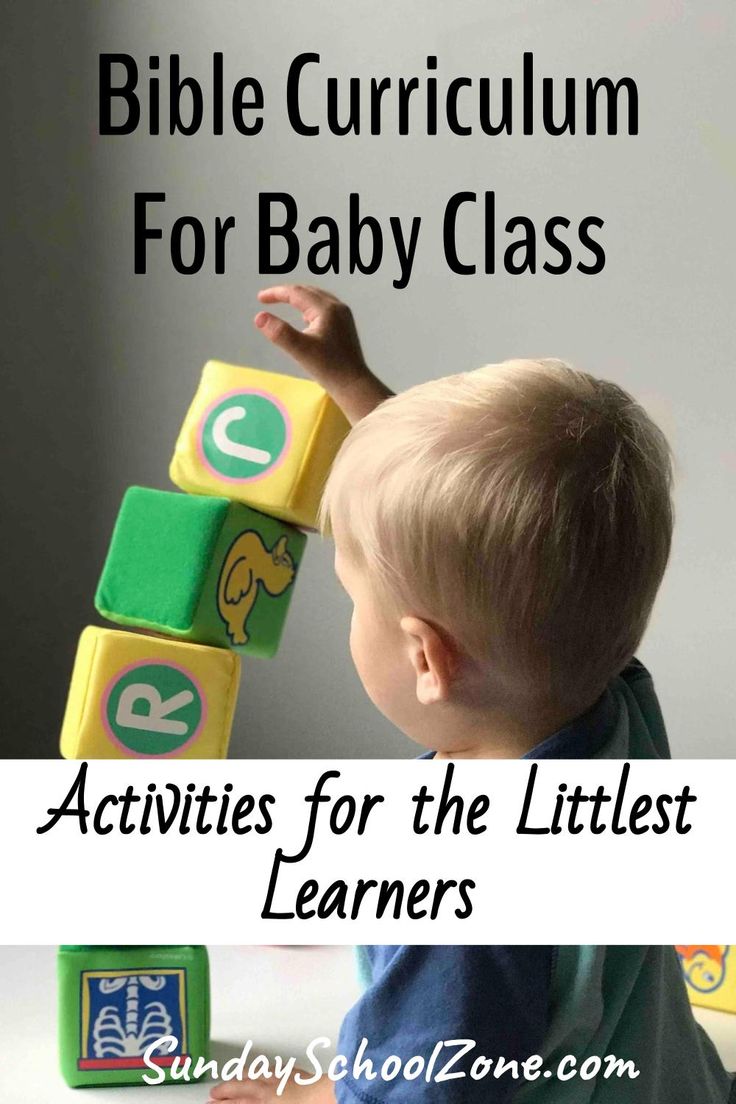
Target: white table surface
<point>280,997</point>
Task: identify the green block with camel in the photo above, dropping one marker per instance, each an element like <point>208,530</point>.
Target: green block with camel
<point>200,568</point>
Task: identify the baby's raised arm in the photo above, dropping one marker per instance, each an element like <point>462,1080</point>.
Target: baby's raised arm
<point>328,348</point>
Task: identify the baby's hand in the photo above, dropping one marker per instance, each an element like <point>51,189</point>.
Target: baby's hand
<point>328,347</point>
<point>261,1091</point>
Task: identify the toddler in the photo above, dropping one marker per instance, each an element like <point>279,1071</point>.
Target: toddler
<point>502,534</point>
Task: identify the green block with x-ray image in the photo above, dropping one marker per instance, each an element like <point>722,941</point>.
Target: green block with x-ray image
<point>116,1003</point>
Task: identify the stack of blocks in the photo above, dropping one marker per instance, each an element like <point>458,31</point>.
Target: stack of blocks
<point>710,974</point>
<point>116,1003</point>
<point>212,570</point>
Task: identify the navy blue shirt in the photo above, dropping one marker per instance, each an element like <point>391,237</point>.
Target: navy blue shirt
<point>517,1002</point>
<point>419,996</point>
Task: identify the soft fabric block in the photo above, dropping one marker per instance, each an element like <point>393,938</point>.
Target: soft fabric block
<point>141,696</point>
<point>264,439</point>
<point>202,569</point>
<point>116,1002</point>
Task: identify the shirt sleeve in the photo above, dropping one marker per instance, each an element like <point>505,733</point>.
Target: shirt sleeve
<point>495,997</point>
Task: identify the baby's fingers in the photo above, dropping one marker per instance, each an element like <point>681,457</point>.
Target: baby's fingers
<point>304,299</point>
<point>279,332</point>
<point>246,1092</point>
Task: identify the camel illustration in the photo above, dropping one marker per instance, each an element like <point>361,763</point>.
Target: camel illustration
<point>704,966</point>
<point>249,565</point>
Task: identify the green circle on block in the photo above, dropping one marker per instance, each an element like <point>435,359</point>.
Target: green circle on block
<point>154,709</point>
<point>244,436</point>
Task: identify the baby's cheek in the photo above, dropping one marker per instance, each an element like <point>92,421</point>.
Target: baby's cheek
<point>355,641</point>
<point>366,656</point>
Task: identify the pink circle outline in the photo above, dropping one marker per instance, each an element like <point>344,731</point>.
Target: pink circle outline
<point>228,395</point>
<point>151,663</point>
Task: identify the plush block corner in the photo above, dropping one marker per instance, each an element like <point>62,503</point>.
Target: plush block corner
<point>139,696</point>
<point>331,429</point>
<point>158,559</point>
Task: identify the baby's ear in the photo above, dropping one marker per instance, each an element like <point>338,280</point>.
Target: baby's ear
<point>434,658</point>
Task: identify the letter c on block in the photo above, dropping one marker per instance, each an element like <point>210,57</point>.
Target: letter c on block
<point>234,448</point>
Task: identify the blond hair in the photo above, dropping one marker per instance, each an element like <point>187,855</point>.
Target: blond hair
<point>524,507</point>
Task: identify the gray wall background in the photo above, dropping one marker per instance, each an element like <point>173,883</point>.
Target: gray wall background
<point>99,365</point>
